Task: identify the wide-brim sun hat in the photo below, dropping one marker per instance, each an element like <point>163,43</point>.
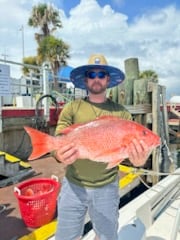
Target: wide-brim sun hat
<point>96,61</point>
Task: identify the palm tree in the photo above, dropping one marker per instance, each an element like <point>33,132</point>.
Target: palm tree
<point>32,60</point>
<point>45,17</point>
<point>150,74</point>
<point>49,48</point>
<point>56,52</point>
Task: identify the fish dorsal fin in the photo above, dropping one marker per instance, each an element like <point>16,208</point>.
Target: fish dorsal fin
<point>70,128</point>
<point>77,125</point>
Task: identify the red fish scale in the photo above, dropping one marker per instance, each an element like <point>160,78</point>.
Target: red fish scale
<point>106,139</point>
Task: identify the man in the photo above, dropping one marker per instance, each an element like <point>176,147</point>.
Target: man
<point>88,186</point>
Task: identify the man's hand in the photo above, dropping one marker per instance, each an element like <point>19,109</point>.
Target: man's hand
<point>138,152</point>
<point>67,154</point>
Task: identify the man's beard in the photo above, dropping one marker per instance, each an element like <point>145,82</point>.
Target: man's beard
<point>98,90</point>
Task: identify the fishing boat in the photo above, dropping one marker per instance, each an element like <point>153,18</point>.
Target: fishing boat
<point>154,214</point>
<point>145,216</point>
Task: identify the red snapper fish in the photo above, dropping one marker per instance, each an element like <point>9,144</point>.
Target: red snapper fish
<point>106,139</point>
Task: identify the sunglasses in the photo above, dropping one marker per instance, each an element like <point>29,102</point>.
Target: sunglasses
<point>93,75</point>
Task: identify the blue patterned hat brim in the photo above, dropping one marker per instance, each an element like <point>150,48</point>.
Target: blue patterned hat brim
<point>77,75</point>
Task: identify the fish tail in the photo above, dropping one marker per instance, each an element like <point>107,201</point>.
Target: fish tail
<point>42,143</point>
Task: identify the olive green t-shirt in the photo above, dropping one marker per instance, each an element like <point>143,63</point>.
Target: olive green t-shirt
<point>85,172</point>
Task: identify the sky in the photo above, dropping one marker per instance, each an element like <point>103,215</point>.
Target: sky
<point>120,29</point>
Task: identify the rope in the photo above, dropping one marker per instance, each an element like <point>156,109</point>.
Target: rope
<point>142,171</point>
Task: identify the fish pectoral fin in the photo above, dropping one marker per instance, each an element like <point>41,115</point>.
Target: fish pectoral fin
<point>115,156</point>
<point>113,163</point>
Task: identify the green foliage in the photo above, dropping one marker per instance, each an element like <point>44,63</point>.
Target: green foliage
<point>31,60</point>
<point>150,74</point>
<point>47,19</point>
<point>53,50</point>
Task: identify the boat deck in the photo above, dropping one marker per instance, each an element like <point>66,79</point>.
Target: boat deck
<point>153,215</point>
<point>165,226</point>
<point>12,226</point>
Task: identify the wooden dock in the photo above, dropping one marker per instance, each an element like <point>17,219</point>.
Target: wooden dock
<point>145,99</point>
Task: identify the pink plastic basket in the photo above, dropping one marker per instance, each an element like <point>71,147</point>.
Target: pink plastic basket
<point>37,200</point>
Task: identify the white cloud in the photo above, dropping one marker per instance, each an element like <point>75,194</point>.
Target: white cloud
<point>157,41</point>
<point>90,28</point>
<point>153,38</point>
